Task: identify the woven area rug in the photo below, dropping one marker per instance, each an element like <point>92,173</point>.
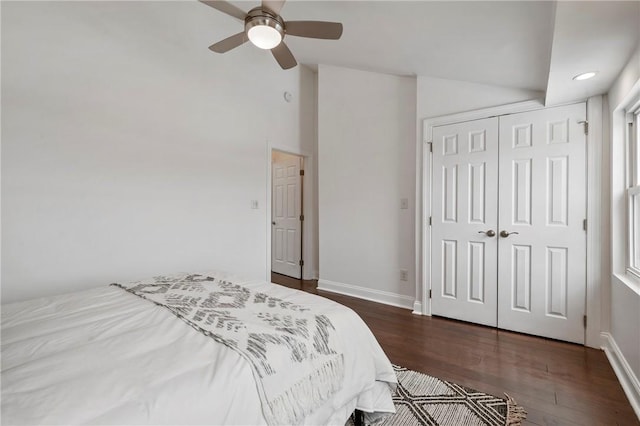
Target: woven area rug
<point>421,399</point>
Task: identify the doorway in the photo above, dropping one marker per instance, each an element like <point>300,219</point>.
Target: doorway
<point>287,171</point>
<point>508,212</point>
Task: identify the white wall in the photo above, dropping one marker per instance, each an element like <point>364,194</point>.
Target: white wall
<point>625,293</point>
<point>438,96</point>
<point>129,149</point>
<point>366,165</point>
<point>308,106</point>
<point>627,79</point>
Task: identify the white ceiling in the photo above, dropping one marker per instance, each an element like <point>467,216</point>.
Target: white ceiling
<point>535,45</point>
<point>590,36</point>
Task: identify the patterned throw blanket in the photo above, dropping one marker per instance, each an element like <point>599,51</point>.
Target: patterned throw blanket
<point>296,362</point>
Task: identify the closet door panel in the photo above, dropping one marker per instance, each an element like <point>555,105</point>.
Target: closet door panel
<point>465,182</point>
<point>542,262</point>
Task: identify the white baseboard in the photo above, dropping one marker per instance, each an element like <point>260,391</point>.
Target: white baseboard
<point>379,296</point>
<point>417,308</point>
<point>623,371</point>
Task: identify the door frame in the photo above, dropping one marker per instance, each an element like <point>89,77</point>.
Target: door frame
<point>309,240</point>
<point>593,310</point>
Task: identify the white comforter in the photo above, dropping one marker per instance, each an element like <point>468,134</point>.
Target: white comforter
<point>104,356</point>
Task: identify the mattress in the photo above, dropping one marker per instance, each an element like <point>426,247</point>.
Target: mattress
<point>105,356</point>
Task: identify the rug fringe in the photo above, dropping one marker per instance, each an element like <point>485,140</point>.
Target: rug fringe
<point>515,413</point>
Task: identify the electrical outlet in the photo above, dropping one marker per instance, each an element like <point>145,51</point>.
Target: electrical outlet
<point>254,204</point>
<point>404,275</point>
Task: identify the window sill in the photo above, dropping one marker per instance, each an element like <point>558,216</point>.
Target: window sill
<point>630,281</point>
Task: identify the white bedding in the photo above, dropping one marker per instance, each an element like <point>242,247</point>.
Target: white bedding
<point>104,356</point>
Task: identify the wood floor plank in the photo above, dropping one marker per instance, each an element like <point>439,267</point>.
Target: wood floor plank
<point>558,383</point>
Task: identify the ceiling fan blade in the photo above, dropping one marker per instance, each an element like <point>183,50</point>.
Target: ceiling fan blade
<point>229,43</point>
<point>314,29</point>
<point>227,8</point>
<point>273,5</point>
<point>284,56</point>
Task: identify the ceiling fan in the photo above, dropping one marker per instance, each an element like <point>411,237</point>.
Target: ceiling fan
<point>265,28</point>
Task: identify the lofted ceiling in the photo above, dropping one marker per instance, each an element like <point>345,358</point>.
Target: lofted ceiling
<point>526,45</point>
<point>532,45</point>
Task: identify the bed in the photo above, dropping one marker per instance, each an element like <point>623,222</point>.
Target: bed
<point>109,355</point>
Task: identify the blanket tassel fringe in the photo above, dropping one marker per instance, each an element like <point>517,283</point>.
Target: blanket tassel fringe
<point>297,402</point>
<point>515,413</point>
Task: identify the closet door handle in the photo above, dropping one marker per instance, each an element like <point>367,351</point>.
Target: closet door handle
<point>505,234</point>
<point>489,233</point>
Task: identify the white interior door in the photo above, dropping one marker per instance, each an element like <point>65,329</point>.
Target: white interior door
<point>286,212</point>
<point>542,263</point>
<point>464,217</point>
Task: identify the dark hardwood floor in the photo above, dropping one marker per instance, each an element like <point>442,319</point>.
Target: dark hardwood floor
<point>558,383</point>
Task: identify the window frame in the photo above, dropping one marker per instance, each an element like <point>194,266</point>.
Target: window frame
<point>632,189</point>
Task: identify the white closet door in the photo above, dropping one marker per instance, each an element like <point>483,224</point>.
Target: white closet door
<point>542,263</point>
<point>465,182</point>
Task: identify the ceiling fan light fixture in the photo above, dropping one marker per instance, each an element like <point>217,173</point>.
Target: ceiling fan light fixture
<point>263,29</point>
<point>264,36</point>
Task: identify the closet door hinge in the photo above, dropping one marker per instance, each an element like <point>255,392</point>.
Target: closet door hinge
<point>430,146</point>
<point>586,126</point>
<point>301,217</point>
<point>430,294</point>
<point>301,172</point>
<point>430,221</point>
<point>584,224</point>
<point>584,321</point>
<point>301,263</point>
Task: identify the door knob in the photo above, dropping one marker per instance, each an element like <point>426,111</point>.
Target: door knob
<point>505,234</point>
<point>489,233</point>
<point>273,223</point>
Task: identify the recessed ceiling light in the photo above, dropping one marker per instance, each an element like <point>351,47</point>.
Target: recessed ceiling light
<point>585,75</point>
